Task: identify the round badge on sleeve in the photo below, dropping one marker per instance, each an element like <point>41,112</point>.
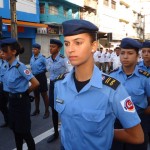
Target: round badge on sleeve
<point>27,72</point>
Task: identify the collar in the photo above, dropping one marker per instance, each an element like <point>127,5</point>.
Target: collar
<point>135,72</point>
<point>95,81</point>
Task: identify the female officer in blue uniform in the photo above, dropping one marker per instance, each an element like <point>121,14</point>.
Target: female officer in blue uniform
<point>38,67</point>
<point>136,82</point>
<point>145,64</point>
<point>16,83</point>
<point>88,100</point>
<point>56,65</point>
<point>3,94</point>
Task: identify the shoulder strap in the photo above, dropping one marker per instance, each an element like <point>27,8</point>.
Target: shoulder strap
<point>62,56</point>
<point>111,82</point>
<point>17,65</point>
<point>145,73</point>
<point>60,77</point>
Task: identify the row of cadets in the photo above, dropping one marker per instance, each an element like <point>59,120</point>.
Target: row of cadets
<point>137,84</point>
<point>88,100</point>
<point>16,83</point>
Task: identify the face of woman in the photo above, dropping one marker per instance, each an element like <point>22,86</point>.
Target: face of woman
<point>8,54</point>
<point>54,49</point>
<point>128,57</point>
<point>146,54</point>
<point>35,51</point>
<point>79,48</point>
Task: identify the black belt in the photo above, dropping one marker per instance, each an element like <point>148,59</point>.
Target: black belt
<point>17,95</point>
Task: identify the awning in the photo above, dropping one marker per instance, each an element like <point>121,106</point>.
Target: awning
<point>26,24</point>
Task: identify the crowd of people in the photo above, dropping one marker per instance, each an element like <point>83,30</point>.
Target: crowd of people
<point>103,101</point>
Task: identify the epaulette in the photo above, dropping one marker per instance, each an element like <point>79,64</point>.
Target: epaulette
<point>62,56</point>
<point>111,82</point>
<point>43,55</point>
<point>48,57</point>
<point>60,77</point>
<point>145,73</point>
<point>114,70</point>
<point>17,65</point>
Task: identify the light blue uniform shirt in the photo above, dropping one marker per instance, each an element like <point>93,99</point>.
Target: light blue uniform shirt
<point>3,68</point>
<point>143,67</point>
<point>88,116</point>
<point>38,64</point>
<point>57,66</point>
<point>16,80</point>
<point>137,85</point>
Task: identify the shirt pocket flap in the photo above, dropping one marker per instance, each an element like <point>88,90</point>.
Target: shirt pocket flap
<point>60,107</point>
<point>138,92</point>
<point>93,115</point>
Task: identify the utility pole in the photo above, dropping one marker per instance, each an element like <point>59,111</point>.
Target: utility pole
<point>14,33</point>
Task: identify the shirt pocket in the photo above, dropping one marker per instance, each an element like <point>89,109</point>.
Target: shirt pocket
<point>60,107</point>
<point>12,82</point>
<point>92,120</point>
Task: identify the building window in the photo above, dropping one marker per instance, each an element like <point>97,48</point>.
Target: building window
<point>42,8</point>
<point>53,10</point>
<point>66,12</point>
<point>106,2</point>
<point>113,4</point>
<point>74,14</point>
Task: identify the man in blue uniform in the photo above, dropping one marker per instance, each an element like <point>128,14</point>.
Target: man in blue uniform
<point>136,82</point>
<point>56,65</point>
<point>88,100</point>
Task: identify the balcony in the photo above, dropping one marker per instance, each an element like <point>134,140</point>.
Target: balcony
<point>91,3</point>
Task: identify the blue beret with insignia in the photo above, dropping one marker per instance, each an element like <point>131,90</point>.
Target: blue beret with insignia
<point>128,43</point>
<point>146,44</point>
<point>36,45</point>
<point>55,41</point>
<point>8,41</point>
<point>76,26</point>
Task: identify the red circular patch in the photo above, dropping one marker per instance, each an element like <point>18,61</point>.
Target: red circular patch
<point>129,105</point>
<point>27,72</point>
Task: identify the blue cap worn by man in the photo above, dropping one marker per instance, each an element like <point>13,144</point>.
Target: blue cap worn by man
<point>55,41</point>
<point>76,26</point>
<point>36,45</point>
<point>128,43</point>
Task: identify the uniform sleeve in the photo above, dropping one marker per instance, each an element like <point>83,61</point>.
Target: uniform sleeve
<point>48,64</point>
<point>147,87</point>
<point>124,108</point>
<point>26,73</point>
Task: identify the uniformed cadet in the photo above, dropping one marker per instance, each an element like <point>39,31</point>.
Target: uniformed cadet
<point>145,64</point>
<point>38,67</point>
<point>56,65</point>
<point>3,94</point>
<point>137,84</point>
<point>16,83</point>
<point>88,100</point>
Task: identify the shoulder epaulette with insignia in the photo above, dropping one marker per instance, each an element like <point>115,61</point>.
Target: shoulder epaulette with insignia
<point>145,73</point>
<point>48,57</point>
<point>114,70</point>
<point>111,82</point>
<point>43,55</point>
<point>62,56</point>
<point>60,77</point>
<point>17,65</point>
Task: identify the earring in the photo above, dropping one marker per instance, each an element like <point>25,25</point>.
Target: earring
<point>92,51</point>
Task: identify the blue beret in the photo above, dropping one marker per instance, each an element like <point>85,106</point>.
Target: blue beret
<point>128,43</point>
<point>76,26</point>
<point>8,41</point>
<point>36,45</point>
<point>55,41</point>
<point>146,44</point>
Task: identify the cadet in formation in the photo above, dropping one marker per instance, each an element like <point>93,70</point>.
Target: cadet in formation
<point>88,100</point>
<point>56,65</point>
<point>38,67</point>
<point>3,94</point>
<point>137,84</point>
<point>17,78</point>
